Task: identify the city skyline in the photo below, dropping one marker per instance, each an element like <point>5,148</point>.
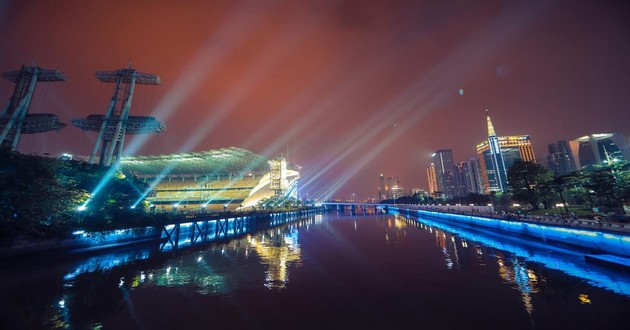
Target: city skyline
<point>352,90</point>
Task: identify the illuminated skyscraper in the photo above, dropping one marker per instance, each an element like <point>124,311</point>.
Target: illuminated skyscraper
<point>393,188</point>
<point>497,154</point>
<point>432,180</point>
<point>469,177</point>
<point>445,172</point>
<point>390,188</point>
<point>475,176</point>
<point>382,193</point>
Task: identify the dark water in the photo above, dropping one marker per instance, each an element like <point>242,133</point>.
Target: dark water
<point>326,271</point>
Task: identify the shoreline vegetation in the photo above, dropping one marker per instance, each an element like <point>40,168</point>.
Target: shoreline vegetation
<point>40,199</point>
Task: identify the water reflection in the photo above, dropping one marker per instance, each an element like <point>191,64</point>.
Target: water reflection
<point>395,228</point>
<point>523,279</point>
<point>567,261</point>
<point>312,273</point>
<point>212,271</point>
<point>277,251</point>
<point>96,285</point>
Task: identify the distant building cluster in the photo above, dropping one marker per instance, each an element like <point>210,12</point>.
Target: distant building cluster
<point>487,172</point>
<point>389,188</point>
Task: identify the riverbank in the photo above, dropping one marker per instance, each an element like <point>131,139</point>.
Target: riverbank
<point>589,238</point>
<point>81,240</point>
<point>607,225</point>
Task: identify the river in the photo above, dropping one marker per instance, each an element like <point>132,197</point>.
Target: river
<point>323,271</point>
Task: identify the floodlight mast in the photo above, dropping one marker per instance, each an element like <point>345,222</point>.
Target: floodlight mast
<point>14,118</point>
<point>116,123</point>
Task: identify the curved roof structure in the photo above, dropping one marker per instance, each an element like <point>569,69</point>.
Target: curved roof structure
<point>211,162</point>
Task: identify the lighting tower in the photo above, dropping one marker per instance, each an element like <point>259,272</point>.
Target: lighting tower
<point>116,123</point>
<point>278,176</point>
<point>15,119</point>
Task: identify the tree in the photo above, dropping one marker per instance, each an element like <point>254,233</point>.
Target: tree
<point>561,184</point>
<point>477,199</point>
<point>610,184</point>
<point>34,199</point>
<point>40,196</point>
<point>530,183</point>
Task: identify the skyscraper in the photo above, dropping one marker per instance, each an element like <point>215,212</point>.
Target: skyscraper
<point>432,180</point>
<point>560,159</point>
<point>445,172</point>
<point>390,188</point>
<point>393,188</point>
<point>461,178</point>
<point>469,177</point>
<point>497,154</point>
<point>475,176</point>
<point>382,193</point>
<point>597,149</point>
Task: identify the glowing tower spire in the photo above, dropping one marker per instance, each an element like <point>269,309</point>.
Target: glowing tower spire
<point>490,127</point>
<point>498,164</point>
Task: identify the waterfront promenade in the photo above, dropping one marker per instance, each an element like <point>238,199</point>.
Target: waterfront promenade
<point>566,221</point>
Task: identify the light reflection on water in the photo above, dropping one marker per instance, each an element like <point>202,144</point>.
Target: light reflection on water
<point>568,261</point>
<point>268,259</point>
<point>511,256</point>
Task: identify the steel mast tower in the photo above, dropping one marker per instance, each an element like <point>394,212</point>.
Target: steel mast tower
<point>14,118</point>
<point>116,123</point>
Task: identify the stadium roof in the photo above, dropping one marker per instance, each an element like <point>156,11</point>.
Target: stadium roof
<point>211,162</point>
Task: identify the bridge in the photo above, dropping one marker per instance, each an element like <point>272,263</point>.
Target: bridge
<point>353,207</point>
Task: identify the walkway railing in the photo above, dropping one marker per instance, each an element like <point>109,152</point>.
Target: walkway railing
<point>574,222</point>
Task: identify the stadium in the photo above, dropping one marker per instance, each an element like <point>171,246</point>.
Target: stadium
<point>220,179</point>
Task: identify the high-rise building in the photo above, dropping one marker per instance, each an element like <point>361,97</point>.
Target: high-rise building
<point>560,159</point>
<point>397,191</point>
<point>498,153</point>
<point>382,192</point>
<point>476,178</point>
<point>469,177</point>
<point>598,149</point>
<point>445,172</point>
<point>461,173</point>
<point>432,180</point>
<point>390,188</point>
<point>393,188</point>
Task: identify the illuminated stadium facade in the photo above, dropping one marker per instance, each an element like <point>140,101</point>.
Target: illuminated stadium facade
<point>227,178</point>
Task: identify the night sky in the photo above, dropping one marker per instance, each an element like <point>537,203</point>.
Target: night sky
<point>352,88</point>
